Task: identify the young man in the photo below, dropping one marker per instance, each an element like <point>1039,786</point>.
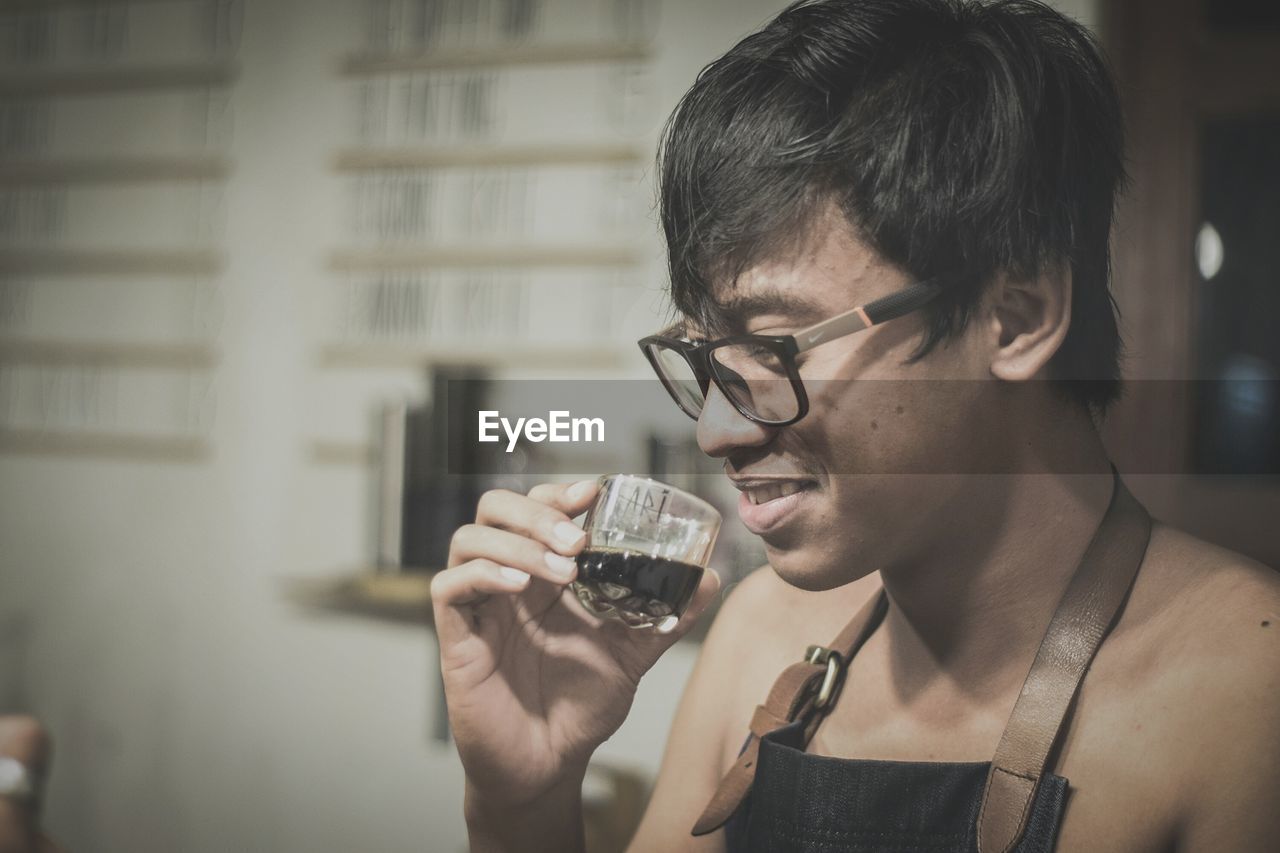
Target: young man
<point>937,179</point>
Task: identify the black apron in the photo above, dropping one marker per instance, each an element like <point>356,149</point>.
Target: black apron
<point>805,803</point>
<point>782,799</point>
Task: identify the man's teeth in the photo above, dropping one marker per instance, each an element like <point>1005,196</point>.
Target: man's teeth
<point>764,494</point>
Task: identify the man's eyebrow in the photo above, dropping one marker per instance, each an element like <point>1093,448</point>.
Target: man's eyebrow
<point>740,309</point>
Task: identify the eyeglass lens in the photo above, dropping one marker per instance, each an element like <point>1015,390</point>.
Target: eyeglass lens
<point>755,380</point>
<point>753,377</point>
<point>679,378</point>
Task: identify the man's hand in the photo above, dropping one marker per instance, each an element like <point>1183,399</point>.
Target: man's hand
<point>24,740</point>
<point>533,682</point>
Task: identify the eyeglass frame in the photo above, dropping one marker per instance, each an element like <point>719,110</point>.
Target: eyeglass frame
<point>697,354</point>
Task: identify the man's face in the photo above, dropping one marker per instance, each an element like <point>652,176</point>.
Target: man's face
<point>828,495</point>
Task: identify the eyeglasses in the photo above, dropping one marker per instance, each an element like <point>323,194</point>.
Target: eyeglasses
<point>757,373</point>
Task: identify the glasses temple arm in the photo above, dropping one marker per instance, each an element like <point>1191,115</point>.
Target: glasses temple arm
<point>903,301</point>
<point>865,316</point>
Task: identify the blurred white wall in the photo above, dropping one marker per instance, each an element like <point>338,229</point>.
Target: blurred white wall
<point>141,614</point>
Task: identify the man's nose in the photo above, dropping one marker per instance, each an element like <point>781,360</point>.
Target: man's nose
<point>723,429</point>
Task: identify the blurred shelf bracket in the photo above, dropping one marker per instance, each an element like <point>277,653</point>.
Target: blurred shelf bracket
<point>361,159</point>
<point>430,257</point>
<point>100,81</point>
<point>112,261</point>
<point>362,65</point>
<point>343,453</point>
<point>101,445</point>
<point>113,170</point>
<point>158,356</point>
<point>400,596</point>
<point>30,6</point>
<point>393,356</point>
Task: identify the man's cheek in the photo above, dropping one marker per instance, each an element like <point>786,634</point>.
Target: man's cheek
<point>871,432</point>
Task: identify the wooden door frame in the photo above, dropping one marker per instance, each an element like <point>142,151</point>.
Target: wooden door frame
<point>1173,75</point>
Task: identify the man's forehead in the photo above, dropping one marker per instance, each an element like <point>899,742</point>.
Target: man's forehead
<point>801,281</point>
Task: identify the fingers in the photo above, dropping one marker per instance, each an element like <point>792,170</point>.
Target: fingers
<point>474,580</point>
<point>514,538</point>
<point>569,498</point>
<point>474,541</point>
<point>537,517</point>
<point>456,590</point>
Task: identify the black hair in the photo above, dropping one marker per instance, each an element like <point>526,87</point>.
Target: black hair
<point>961,139</point>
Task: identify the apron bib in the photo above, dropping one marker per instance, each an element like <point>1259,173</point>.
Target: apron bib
<point>778,798</point>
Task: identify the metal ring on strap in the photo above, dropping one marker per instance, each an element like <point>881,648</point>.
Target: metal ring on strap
<point>830,657</point>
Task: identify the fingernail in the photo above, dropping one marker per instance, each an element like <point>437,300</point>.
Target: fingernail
<point>569,534</point>
<point>580,489</point>
<point>667,625</point>
<point>562,566</point>
<point>514,575</point>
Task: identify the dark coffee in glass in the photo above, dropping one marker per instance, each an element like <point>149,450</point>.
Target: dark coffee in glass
<point>647,546</point>
<point>639,588</point>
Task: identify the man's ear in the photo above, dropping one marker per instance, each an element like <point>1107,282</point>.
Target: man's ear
<point>1028,322</point>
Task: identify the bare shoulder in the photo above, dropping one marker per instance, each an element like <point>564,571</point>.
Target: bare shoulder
<point>1176,732</point>
<point>1222,619</point>
<point>1221,627</point>
<point>1196,604</point>
<point>764,625</point>
<point>1194,666</point>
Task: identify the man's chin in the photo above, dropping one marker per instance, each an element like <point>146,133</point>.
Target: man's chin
<point>812,572</point>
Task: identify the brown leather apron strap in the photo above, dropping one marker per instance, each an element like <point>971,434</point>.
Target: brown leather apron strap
<point>1088,609</point>
<point>802,691</point>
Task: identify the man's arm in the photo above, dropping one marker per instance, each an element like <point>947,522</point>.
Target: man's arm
<point>553,822</point>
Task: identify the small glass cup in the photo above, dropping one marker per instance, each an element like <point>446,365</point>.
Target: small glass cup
<point>647,546</point>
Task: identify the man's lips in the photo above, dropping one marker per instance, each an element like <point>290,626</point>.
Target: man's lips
<point>762,491</point>
<point>766,502</point>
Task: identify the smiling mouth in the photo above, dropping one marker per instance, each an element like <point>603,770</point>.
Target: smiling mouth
<point>765,492</point>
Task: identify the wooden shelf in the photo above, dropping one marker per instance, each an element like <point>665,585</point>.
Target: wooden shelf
<point>399,258</point>
<point>105,445</point>
<point>362,65</point>
<point>397,596</point>
<point>111,261</point>
<point>109,80</point>
<point>28,6</point>
<point>179,356</point>
<point>114,170</point>
<point>604,154</point>
<point>498,355</point>
<point>352,453</point>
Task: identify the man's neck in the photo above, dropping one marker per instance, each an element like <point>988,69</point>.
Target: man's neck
<point>966,618</point>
